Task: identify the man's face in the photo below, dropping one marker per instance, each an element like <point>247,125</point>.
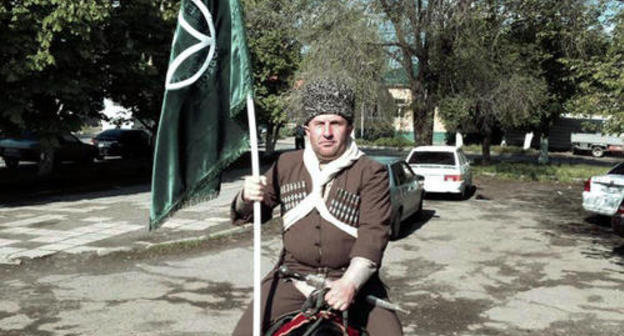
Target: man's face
<point>328,134</point>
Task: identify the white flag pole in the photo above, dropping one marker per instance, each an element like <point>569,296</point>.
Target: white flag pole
<point>255,171</point>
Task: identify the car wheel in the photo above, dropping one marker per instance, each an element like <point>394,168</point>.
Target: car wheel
<point>461,195</point>
<point>11,163</point>
<point>420,207</point>
<point>597,151</point>
<point>617,224</point>
<point>466,193</point>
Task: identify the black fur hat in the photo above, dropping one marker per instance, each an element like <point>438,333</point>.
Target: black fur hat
<point>325,96</point>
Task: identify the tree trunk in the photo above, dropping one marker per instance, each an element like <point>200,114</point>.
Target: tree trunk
<point>423,114</point>
<point>485,148</point>
<point>276,131</point>
<point>272,135</point>
<point>423,127</point>
<point>269,143</point>
<point>47,161</point>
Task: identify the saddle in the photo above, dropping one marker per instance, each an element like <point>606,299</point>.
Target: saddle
<point>315,318</point>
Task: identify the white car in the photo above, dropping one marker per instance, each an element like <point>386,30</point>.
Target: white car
<point>603,194</point>
<point>445,169</point>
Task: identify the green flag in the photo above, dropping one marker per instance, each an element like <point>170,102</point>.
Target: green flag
<point>202,128</point>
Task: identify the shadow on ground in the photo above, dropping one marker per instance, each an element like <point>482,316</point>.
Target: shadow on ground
<point>414,223</point>
<point>453,197</point>
<point>111,177</point>
<point>602,221</point>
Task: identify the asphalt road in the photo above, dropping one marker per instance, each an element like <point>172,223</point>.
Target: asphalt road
<point>515,259</point>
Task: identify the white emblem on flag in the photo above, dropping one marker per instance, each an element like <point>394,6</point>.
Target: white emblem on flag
<point>205,41</point>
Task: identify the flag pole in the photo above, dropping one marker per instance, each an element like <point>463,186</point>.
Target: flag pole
<point>255,171</point>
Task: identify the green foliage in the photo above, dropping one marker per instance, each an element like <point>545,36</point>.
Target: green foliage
<point>485,84</point>
<point>397,142</point>
<point>500,149</point>
<point>137,59</point>
<point>546,33</point>
<point>52,54</point>
<point>374,132</point>
<point>342,41</point>
<point>275,54</point>
<point>601,81</point>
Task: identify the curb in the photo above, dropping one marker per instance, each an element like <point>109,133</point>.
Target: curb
<point>211,236</point>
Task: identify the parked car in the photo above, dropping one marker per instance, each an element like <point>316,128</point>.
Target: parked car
<point>596,143</point>
<point>406,191</point>
<point>445,169</point>
<point>28,148</point>
<point>127,143</point>
<point>604,194</point>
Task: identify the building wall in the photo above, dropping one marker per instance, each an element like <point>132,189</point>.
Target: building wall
<point>439,130</point>
<point>404,122</point>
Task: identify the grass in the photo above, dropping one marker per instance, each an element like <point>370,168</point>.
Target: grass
<point>567,173</point>
<point>500,149</point>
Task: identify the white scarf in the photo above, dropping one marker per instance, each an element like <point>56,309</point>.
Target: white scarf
<point>319,179</point>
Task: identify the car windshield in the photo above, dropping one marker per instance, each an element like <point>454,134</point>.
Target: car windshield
<point>439,158</point>
<point>617,170</point>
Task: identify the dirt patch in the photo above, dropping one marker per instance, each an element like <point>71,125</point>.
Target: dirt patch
<point>560,206</point>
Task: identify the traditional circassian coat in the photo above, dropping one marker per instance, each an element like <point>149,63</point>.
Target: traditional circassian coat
<point>358,196</point>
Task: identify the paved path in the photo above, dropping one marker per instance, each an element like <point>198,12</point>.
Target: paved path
<point>108,221</point>
<point>101,222</point>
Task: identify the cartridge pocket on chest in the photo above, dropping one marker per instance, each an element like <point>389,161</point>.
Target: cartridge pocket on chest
<point>345,206</point>
<point>292,194</point>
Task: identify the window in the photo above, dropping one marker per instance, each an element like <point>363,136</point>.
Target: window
<point>439,158</point>
<point>409,173</point>
<point>399,174</point>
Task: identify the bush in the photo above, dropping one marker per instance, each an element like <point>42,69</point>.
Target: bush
<point>394,142</point>
<point>397,141</point>
<point>285,132</point>
<point>363,142</point>
<point>377,132</point>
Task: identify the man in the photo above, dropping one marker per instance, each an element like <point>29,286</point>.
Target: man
<point>335,207</point>
<point>299,137</point>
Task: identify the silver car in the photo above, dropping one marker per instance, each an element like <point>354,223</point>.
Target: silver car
<point>406,191</point>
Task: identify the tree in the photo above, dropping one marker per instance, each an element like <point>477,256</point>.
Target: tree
<point>418,28</point>
<point>52,66</point>
<point>137,56</point>
<point>601,81</point>
<point>342,41</point>
<point>275,54</point>
<point>484,83</point>
<point>547,33</point>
